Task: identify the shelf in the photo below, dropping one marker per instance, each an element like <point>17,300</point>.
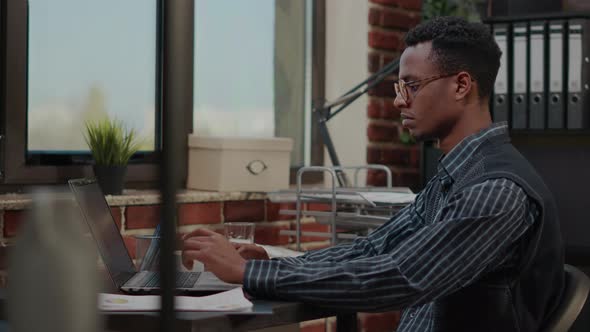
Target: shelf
<point>342,218</point>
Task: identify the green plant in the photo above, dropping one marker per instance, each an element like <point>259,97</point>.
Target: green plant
<point>110,142</point>
<point>467,9</point>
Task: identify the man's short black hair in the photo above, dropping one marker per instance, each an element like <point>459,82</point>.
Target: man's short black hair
<point>458,45</point>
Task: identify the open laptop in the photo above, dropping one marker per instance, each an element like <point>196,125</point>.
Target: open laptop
<point>114,253</point>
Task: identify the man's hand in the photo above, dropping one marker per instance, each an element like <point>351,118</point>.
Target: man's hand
<point>251,251</point>
<point>216,253</point>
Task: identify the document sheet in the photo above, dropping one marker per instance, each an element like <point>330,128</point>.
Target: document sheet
<point>232,300</point>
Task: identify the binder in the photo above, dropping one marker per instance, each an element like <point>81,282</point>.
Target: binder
<point>555,111</point>
<point>519,75</point>
<point>500,105</point>
<point>537,95</point>
<point>578,80</point>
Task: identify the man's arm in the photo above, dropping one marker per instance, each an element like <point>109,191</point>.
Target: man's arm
<point>228,260</point>
<point>475,229</point>
<point>359,248</point>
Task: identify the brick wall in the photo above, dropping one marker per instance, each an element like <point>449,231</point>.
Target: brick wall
<point>388,22</point>
<point>142,219</point>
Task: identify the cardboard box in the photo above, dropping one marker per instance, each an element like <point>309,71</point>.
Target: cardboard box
<point>238,164</point>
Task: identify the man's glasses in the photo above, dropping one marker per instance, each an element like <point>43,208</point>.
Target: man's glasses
<point>408,90</point>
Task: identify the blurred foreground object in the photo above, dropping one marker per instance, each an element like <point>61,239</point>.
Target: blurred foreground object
<point>53,279</point>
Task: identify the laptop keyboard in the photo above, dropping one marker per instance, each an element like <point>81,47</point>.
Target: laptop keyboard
<point>152,279</point>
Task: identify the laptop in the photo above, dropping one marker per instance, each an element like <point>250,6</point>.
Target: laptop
<point>114,254</point>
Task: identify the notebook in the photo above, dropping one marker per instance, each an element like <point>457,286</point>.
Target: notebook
<point>114,254</point>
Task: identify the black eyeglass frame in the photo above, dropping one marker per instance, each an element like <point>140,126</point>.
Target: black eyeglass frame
<point>401,86</point>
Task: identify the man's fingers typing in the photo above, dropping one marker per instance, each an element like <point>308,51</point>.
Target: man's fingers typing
<point>200,232</point>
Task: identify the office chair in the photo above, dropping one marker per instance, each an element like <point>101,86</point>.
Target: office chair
<point>577,285</point>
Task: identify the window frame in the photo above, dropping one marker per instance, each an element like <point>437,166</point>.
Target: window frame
<point>17,170</point>
<point>318,79</point>
<point>14,170</point>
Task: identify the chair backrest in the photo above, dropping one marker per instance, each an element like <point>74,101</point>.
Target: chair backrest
<point>577,286</point>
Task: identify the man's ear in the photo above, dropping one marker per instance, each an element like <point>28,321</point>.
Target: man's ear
<point>465,85</point>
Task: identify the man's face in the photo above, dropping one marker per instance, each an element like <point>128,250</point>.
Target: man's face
<point>430,109</point>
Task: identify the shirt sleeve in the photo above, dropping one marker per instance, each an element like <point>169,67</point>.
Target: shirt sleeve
<point>474,229</point>
<point>361,247</point>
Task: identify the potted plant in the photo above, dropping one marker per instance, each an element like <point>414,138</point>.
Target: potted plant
<point>112,145</point>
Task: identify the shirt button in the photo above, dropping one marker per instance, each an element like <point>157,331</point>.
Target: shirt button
<point>412,314</point>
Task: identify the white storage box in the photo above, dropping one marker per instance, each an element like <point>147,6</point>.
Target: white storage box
<point>238,164</point>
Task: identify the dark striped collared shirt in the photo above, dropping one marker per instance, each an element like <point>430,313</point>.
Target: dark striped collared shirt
<point>430,249</point>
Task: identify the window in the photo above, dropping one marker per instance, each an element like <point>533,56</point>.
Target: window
<point>69,61</point>
<point>253,65</point>
<point>234,47</point>
<point>66,61</point>
<point>88,60</point>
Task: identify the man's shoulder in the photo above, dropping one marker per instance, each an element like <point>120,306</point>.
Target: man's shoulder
<point>497,162</point>
<point>495,184</point>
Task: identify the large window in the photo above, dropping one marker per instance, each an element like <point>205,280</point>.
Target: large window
<point>64,62</point>
<point>89,60</point>
<point>252,70</point>
<point>69,61</point>
<point>234,57</point>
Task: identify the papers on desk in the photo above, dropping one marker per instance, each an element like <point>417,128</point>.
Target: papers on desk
<point>278,252</point>
<point>232,300</point>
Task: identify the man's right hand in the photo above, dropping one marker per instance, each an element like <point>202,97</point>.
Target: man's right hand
<point>251,251</point>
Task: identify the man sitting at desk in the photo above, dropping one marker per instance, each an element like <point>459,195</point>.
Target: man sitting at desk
<point>478,250</point>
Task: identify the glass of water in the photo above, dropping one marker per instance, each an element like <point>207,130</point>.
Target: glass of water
<point>239,232</point>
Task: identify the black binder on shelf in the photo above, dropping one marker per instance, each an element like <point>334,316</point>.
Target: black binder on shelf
<point>519,75</point>
<point>500,103</point>
<point>537,69</point>
<point>556,105</point>
<point>578,76</point>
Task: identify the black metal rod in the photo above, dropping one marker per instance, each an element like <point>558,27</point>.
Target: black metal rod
<point>177,96</point>
<point>159,65</point>
<point>375,79</point>
<point>340,175</point>
<point>537,17</point>
<point>324,114</point>
<point>388,68</point>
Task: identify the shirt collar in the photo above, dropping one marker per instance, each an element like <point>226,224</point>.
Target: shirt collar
<point>450,164</point>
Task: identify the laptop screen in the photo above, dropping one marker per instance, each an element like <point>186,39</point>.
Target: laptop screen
<point>104,229</point>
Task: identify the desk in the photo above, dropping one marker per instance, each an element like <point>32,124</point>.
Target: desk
<point>282,313</point>
<point>265,314</point>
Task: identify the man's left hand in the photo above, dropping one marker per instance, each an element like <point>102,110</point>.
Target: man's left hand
<point>216,253</point>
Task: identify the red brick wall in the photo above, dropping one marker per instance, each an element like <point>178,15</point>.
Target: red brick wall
<point>388,22</point>
<point>142,219</point>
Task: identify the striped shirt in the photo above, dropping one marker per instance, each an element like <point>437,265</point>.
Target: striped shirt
<point>433,247</point>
